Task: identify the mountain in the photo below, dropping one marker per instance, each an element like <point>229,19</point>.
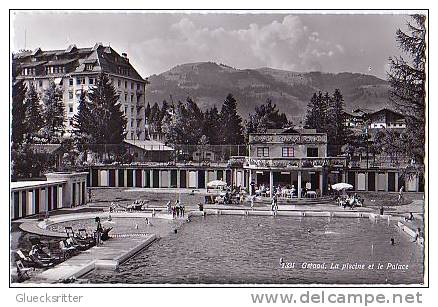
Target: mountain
<point>209,83</point>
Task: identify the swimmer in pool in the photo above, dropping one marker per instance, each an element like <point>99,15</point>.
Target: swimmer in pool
<point>392,241</point>
<point>309,230</point>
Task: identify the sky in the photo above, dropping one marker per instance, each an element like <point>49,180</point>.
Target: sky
<point>156,42</point>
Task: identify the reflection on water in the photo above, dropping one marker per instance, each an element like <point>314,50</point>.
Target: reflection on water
<point>245,249</point>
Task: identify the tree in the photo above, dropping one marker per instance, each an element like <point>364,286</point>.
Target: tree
<point>33,115</point>
<point>231,123</point>
<point>100,120</point>
<point>184,124</point>
<point>18,113</point>
<point>407,78</point>
<point>313,115</point>
<point>337,133</point>
<point>266,116</point>
<point>147,111</point>
<point>211,126</point>
<point>53,113</point>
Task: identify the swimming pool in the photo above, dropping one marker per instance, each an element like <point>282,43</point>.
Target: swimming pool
<point>247,250</point>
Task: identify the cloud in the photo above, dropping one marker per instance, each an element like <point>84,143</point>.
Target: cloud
<point>286,44</point>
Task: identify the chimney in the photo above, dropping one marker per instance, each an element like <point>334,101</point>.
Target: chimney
<point>125,56</point>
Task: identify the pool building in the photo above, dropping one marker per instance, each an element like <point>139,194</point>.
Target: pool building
<point>283,157</point>
<point>60,190</point>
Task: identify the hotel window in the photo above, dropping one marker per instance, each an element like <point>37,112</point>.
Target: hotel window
<point>126,84</point>
<point>287,152</point>
<point>80,81</point>
<point>70,108</point>
<point>89,67</point>
<point>70,95</point>
<point>132,97</point>
<point>118,82</point>
<point>126,110</point>
<point>138,86</point>
<point>70,81</point>
<point>40,83</point>
<point>132,111</point>
<point>262,151</point>
<point>132,85</point>
<point>312,152</point>
<point>126,97</point>
<point>90,81</point>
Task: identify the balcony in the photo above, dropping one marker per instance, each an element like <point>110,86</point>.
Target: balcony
<point>291,163</point>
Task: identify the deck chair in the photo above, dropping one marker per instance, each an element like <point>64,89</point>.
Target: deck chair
<point>67,251</point>
<point>69,231</point>
<point>24,259</point>
<point>22,270</point>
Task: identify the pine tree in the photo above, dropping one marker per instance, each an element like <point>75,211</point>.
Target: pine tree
<point>53,113</point>
<point>33,119</point>
<point>101,119</point>
<point>83,120</point>
<point>337,132</point>
<point>211,125</point>
<point>313,116</point>
<point>324,106</point>
<point>231,122</point>
<point>18,113</point>
<point>147,111</point>
<point>407,78</point>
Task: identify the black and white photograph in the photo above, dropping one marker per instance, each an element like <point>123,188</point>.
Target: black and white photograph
<point>227,148</point>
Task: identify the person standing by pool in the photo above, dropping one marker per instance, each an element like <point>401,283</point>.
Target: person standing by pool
<point>400,195</point>
<point>169,207</point>
<point>252,201</point>
<point>183,209</point>
<point>275,199</point>
<point>174,212</point>
<point>99,231</point>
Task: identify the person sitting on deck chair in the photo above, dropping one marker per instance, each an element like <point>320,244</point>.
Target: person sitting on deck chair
<point>410,218</point>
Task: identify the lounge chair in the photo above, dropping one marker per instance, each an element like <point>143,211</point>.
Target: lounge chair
<point>84,237</point>
<point>22,270</point>
<point>67,250</point>
<point>41,259</point>
<point>69,231</point>
<point>77,244</point>
<point>24,259</point>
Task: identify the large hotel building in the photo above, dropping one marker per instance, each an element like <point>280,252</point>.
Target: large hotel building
<point>76,69</point>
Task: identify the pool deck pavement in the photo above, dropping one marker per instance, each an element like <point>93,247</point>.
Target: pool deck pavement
<point>107,257</point>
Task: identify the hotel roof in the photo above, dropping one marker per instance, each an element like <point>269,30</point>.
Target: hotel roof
<point>105,58</point>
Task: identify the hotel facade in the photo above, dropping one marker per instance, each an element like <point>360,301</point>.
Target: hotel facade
<point>76,69</point>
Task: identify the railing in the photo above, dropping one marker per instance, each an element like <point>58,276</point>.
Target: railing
<point>295,162</point>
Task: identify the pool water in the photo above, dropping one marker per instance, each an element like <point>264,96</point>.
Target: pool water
<point>245,249</point>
